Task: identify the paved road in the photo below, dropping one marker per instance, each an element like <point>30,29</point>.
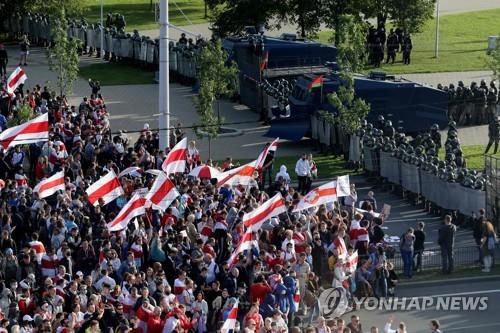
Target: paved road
<point>451,321</point>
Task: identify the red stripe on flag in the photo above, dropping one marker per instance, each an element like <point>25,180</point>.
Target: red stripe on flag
<point>136,204</point>
<point>104,189</point>
<point>162,192</point>
<point>38,127</point>
<point>16,78</point>
<point>175,155</point>
<point>49,185</point>
<point>327,191</point>
<point>262,215</point>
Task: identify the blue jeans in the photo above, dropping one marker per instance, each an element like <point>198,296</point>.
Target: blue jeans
<point>407,263</point>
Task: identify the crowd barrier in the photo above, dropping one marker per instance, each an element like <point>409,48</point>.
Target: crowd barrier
<point>329,135</point>
<point>131,49</point>
<point>451,196</point>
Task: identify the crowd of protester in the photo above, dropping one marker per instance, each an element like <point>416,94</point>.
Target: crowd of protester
<point>168,271</point>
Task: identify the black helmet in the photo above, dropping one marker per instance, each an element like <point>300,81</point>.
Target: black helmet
<point>388,123</point>
<point>435,127</point>
<point>381,118</point>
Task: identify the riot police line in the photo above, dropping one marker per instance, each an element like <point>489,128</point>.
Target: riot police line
<point>132,49</point>
<point>414,165</point>
<point>472,105</point>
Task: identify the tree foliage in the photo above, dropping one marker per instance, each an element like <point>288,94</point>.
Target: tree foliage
<point>410,15</point>
<point>493,60</point>
<point>306,15</point>
<point>63,56</point>
<point>351,50</point>
<point>231,16</point>
<point>351,109</point>
<point>22,115</point>
<point>216,80</point>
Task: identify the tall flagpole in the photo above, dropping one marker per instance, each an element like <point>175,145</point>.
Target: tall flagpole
<point>163,101</point>
<point>436,50</point>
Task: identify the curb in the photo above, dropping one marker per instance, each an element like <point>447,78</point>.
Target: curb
<point>235,132</point>
<point>470,279</point>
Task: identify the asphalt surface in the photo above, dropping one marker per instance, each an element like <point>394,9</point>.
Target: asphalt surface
<point>417,321</point>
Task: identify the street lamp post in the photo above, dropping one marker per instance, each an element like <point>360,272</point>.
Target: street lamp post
<point>164,86</point>
<point>102,29</point>
<point>436,50</point>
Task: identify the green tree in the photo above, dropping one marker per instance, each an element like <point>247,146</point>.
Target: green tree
<point>63,56</point>
<point>350,42</point>
<point>493,60</point>
<point>410,15</point>
<point>72,8</point>
<point>351,109</point>
<point>216,80</point>
<point>24,114</point>
<point>231,16</point>
<point>334,13</point>
<point>307,15</point>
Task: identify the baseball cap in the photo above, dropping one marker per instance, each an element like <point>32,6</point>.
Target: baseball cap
<point>27,318</point>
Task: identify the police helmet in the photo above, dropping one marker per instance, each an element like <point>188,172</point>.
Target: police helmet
<point>435,127</point>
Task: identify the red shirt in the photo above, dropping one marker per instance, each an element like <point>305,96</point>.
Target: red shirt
<point>259,291</point>
<point>154,324</point>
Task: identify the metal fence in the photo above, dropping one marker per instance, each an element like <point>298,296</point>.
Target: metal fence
<point>492,167</point>
<point>466,256</point>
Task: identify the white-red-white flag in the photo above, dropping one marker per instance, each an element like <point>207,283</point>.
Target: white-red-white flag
<point>39,249</point>
<point>262,157</point>
<point>272,207</point>
<point>229,325</point>
<point>133,208</point>
<point>246,243</point>
<point>241,175</point>
<point>162,193</point>
<point>351,262</point>
<point>320,195</point>
<point>107,188</point>
<point>32,131</point>
<point>15,79</point>
<point>134,171</point>
<point>176,158</point>
<point>50,185</point>
<point>340,247</point>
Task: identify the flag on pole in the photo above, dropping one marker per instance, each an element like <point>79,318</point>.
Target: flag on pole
<point>50,185</point>
<point>135,207</point>
<point>15,79</point>
<point>239,176</point>
<point>351,262</point>
<point>230,323</point>
<point>107,188</point>
<point>320,195</point>
<point>162,193</point>
<point>272,207</point>
<point>340,246</point>
<point>317,82</point>
<point>273,146</point>
<point>176,158</point>
<point>32,131</point>
<point>246,243</point>
<point>134,171</point>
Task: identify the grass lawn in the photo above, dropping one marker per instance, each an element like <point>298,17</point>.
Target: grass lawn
<point>139,15</point>
<point>462,44</point>
<point>329,167</point>
<point>461,272</point>
<point>116,74</point>
<point>474,156</point>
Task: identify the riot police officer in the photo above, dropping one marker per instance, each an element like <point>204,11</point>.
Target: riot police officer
<point>493,134</point>
<point>436,137</point>
<point>389,129</point>
<point>491,100</point>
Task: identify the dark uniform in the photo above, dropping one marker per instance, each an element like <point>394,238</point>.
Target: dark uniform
<point>436,137</point>
<point>494,135</point>
<point>407,47</point>
<point>392,46</point>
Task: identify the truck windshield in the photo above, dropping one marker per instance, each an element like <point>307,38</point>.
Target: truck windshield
<point>299,93</point>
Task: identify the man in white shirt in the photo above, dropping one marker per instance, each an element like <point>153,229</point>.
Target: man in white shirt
<point>303,171</point>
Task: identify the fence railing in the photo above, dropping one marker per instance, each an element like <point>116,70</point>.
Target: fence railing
<point>466,256</point>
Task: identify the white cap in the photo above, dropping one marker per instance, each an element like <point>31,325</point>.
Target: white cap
<point>27,318</point>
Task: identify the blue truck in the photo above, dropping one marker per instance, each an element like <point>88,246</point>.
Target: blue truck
<point>412,106</point>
